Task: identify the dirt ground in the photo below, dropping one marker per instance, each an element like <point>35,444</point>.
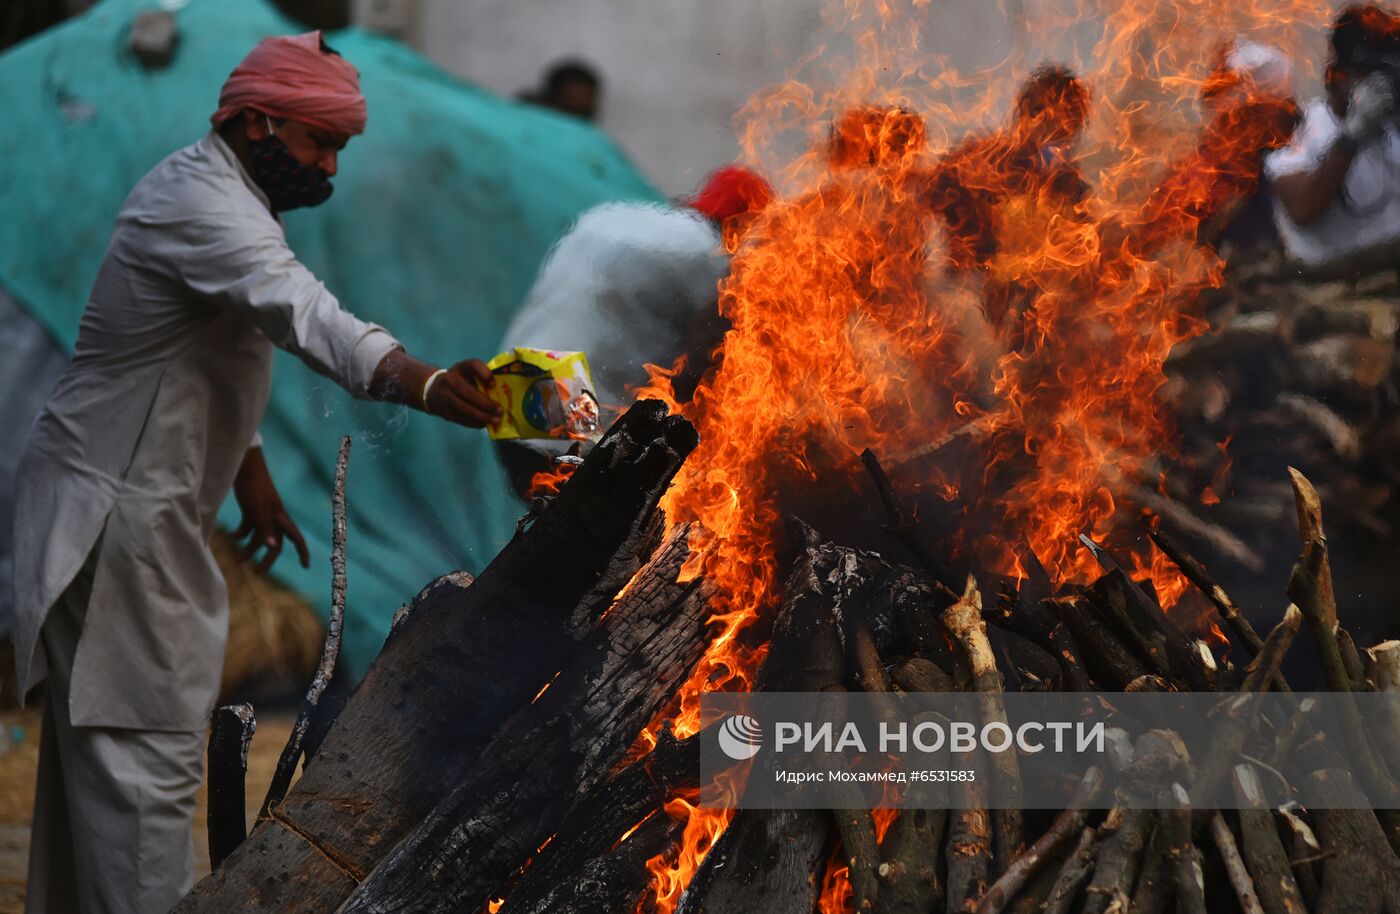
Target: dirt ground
<point>18,766</point>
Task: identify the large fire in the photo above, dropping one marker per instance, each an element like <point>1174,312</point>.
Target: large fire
<point>954,252</point>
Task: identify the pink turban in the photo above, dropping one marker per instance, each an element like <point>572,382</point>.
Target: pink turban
<point>296,77</point>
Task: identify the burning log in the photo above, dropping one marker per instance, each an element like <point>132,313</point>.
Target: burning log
<point>561,745</point>
<point>766,859</point>
<point>1107,658</point>
<point>406,739</point>
<point>614,880</point>
<point>603,818</point>
<point>1033,619</point>
<point>1165,647</point>
<point>1197,574</point>
<point>230,735</point>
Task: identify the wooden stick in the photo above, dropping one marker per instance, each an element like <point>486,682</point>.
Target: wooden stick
<point>1186,859</point>
<point>964,622</point>
<point>230,735</point>
<point>969,851</point>
<point>1106,657</point>
<point>1133,614</point>
<point>1197,574</point>
<point>862,854</point>
<point>1155,891</point>
<point>1157,756</point>
<point>1306,588</point>
<point>1264,855</point>
<point>1072,874</point>
<point>1309,508</point>
<point>1234,865</point>
<point>330,651</point>
<point>1066,826</point>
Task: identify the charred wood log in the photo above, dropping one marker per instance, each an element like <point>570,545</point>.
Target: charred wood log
<point>1165,647</point>
<point>406,738</point>
<point>910,878</point>
<point>230,735</point>
<point>1032,618</point>
<point>616,879</point>
<point>1198,575</point>
<point>969,852</point>
<point>765,860</point>
<point>556,749</point>
<point>601,819</point>
<point>1106,657</point>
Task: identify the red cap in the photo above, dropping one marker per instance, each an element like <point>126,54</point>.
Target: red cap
<point>731,191</point>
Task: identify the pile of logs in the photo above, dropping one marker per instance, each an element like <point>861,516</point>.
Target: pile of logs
<point>484,762</point>
<point>1301,373</point>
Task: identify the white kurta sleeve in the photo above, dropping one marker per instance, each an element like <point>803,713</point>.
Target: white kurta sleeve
<point>244,265</point>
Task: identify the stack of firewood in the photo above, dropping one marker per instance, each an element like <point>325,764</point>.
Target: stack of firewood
<point>1301,373</point>
<point>485,759</point>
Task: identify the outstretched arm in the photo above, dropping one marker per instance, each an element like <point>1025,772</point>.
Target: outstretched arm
<point>457,394</point>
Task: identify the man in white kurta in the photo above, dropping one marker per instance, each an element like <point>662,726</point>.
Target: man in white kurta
<point>118,600</point>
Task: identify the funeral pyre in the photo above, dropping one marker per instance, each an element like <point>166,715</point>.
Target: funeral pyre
<point>948,356</point>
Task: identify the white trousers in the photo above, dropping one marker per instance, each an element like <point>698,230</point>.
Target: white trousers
<point>113,808</point>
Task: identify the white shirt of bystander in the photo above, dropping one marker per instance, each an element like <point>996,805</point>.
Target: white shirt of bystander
<point>1365,215</point>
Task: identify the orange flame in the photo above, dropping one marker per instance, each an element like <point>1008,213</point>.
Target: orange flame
<point>910,284</point>
<point>549,482</point>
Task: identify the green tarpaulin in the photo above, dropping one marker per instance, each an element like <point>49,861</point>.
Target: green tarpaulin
<point>442,212</point>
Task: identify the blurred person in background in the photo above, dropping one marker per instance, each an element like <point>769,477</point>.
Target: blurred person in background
<point>631,284</point>
<point>119,604</point>
<point>1338,180</point>
<point>994,193</point>
<point>1219,193</point>
<point>570,87</point>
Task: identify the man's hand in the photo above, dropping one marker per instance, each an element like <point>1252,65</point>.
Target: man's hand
<point>265,521</point>
<point>459,395</point>
<point>1371,104</point>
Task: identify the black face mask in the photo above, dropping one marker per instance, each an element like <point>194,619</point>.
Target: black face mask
<point>287,183</point>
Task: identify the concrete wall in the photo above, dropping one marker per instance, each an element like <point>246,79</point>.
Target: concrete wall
<point>675,70</point>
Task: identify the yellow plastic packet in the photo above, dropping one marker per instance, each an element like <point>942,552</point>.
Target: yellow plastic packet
<point>544,394</point>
